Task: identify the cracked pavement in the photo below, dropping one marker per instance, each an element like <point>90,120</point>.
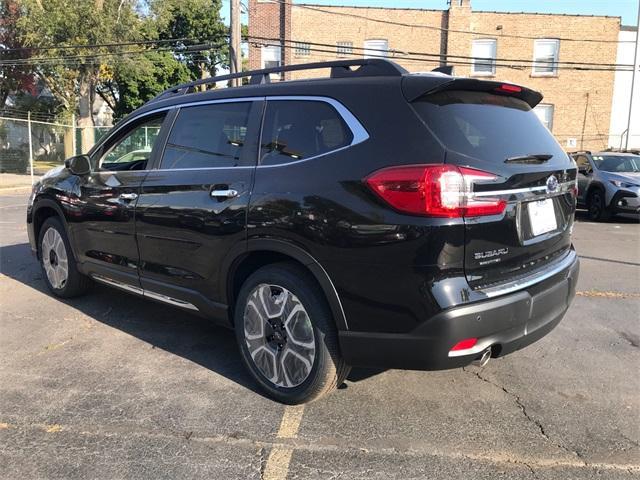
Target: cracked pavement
<point>112,386</point>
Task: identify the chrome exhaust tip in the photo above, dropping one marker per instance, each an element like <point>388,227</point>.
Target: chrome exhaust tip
<point>483,359</point>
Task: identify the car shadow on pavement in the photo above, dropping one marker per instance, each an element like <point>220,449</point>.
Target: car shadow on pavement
<point>583,216</point>
<point>170,329</point>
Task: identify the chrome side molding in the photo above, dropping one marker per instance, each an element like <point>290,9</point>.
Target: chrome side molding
<point>144,293</point>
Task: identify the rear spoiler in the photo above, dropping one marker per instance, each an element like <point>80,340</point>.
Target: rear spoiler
<point>416,86</point>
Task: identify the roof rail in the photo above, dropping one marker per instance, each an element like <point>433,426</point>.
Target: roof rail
<point>370,67</point>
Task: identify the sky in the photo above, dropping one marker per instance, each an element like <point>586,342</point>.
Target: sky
<point>627,9</point>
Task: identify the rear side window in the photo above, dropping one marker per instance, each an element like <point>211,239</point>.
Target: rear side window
<point>207,136</point>
<point>296,129</point>
<point>486,126</point>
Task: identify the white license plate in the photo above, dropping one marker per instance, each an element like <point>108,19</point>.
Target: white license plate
<point>542,217</point>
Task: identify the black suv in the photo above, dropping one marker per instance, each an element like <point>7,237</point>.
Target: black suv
<point>372,218</point>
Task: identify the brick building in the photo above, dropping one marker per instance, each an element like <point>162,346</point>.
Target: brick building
<point>505,46</point>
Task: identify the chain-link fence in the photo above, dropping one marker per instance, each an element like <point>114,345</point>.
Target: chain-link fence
<point>34,146</point>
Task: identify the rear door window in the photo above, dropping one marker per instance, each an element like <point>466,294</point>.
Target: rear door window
<point>300,129</point>
<point>207,136</point>
<point>486,126</point>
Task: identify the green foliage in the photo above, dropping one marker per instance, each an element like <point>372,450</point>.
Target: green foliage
<point>198,21</point>
<point>139,80</point>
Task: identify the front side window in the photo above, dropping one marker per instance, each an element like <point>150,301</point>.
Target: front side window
<point>545,114</point>
<point>207,136</point>
<point>484,57</point>
<point>545,56</point>
<point>376,48</point>
<point>296,130</point>
<point>582,162</point>
<point>133,151</point>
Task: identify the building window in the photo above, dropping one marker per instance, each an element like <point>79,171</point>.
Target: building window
<point>484,57</point>
<point>301,49</point>
<point>376,48</point>
<point>545,57</point>
<point>271,56</point>
<point>344,49</point>
<point>545,114</point>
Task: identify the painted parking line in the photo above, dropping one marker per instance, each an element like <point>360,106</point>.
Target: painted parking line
<point>277,466</point>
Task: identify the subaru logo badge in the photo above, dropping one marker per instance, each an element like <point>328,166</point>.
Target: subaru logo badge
<point>552,184</point>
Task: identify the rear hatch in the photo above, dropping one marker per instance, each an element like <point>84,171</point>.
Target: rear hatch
<point>491,127</point>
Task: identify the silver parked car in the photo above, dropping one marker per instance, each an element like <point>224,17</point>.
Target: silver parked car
<point>608,183</point>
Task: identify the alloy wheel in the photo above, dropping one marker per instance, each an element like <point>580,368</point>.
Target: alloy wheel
<point>279,335</point>
<point>54,258</point>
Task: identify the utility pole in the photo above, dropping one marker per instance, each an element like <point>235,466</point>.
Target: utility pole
<point>30,132</point>
<point>633,78</point>
<point>235,62</point>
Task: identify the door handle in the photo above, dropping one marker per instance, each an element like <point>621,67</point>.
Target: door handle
<point>128,196</point>
<point>224,193</point>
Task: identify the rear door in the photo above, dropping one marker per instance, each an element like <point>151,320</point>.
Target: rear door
<point>192,208</point>
<point>501,135</point>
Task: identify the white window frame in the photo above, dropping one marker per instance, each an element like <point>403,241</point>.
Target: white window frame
<point>372,48</point>
<point>541,43</point>
<point>478,60</point>
<point>270,53</point>
<point>545,107</point>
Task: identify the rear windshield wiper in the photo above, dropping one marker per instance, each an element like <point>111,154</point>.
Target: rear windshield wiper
<point>533,158</point>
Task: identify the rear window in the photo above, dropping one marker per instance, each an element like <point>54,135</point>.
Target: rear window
<point>486,126</point>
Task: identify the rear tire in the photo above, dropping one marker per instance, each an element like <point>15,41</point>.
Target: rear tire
<point>598,211</point>
<point>58,263</point>
<point>287,336</point>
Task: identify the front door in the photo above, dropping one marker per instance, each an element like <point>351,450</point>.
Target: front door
<point>584,177</point>
<point>103,227</point>
<point>192,208</point>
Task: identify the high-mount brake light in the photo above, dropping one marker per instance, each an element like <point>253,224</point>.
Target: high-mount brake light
<point>508,88</point>
<point>435,190</point>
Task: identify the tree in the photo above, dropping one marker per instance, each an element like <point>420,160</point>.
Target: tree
<point>135,81</point>
<point>72,75</point>
<point>195,21</point>
<point>12,77</point>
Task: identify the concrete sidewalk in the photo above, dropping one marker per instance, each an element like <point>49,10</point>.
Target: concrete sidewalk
<point>15,182</point>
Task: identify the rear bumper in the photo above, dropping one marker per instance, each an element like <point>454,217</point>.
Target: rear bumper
<point>506,323</point>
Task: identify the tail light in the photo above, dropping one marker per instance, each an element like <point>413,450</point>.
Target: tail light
<point>435,190</point>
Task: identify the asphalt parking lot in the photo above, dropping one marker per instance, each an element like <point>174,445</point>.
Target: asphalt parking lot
<point>112,386</point>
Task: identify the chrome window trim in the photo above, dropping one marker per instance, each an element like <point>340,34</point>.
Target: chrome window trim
<point>358,131</point>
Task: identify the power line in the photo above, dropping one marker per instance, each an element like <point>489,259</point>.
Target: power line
<point>432,27</point>
<point>442,56</point>
<point>74,60</point>
<point>407,56</point>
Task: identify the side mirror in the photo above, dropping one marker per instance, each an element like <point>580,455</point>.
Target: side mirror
<point>78,165</point>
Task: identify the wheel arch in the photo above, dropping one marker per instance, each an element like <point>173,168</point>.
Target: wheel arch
<point>261,252</point>
<point>46,208</point>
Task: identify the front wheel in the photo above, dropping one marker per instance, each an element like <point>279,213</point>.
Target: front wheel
<point>597,207</point>
<point>57,261</point>
<point>287,336</point>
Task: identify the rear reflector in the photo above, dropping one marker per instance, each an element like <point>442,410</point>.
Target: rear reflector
<point>464,344</point>
<point>435,190</point>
